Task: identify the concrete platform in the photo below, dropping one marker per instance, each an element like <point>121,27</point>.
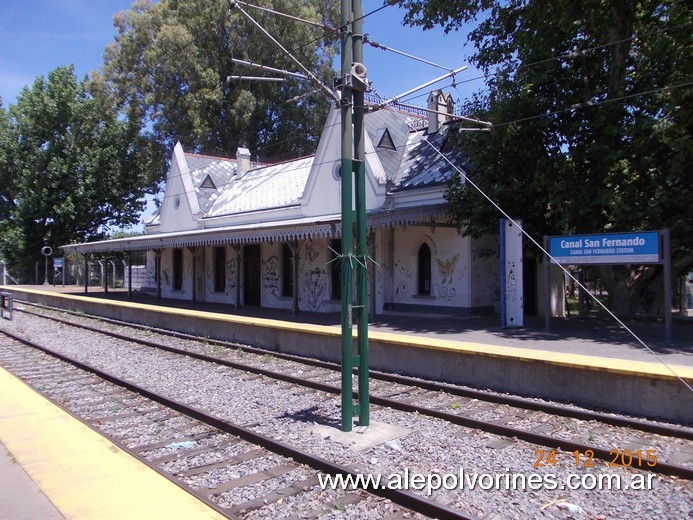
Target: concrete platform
<point>55,467</point>
<point>585,361</point>
<point>21,498</point>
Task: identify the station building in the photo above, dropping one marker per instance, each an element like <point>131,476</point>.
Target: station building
<point>246,234</point>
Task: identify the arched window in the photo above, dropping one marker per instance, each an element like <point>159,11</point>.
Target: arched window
<point>424,270</point>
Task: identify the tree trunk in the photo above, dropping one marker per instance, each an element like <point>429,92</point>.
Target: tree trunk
<point>639,289</point>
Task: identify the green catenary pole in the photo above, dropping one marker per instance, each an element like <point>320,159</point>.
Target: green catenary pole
<point>353,168</point>
<point>361,228</point>
<point>347,219</point>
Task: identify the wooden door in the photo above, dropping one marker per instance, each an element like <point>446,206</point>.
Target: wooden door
<point>252,280</point>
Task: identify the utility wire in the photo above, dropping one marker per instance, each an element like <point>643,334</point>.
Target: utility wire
<point>285,15</point>
<point>569,55</point>
<point>327,127</point>
<point>589,104</point>
<point>233,4</point>
<point>367,39</point>
<point>551,258</point>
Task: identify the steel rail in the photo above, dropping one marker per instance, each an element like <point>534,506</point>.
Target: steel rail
<point>506,431</point>
<point>518,402</point>
<point>403,498</point>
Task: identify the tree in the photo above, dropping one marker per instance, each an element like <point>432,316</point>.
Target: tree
<point>171,60</point>
<point>71,165</point>
<point>592,102</point>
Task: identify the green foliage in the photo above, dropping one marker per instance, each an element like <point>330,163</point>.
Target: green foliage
<point>71,166</point>
<point>171,59</point>
<point>592,109</point>
<point>591,103</point>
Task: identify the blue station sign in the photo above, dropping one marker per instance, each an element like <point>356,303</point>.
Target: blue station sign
<point>610,248</point>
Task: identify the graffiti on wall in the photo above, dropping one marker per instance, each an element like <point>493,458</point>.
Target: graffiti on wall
<point>402,290</point>
<point>270,279</point>
<point>446,268</point>
<point>486,269</point>
<point>512,291</point>
<point>449,275</point>
<point>142,277</point>
<point>230,274</point>
<point>402,269</point>
<point>483,252</point>
<point>314,287</point>
<point>312,252</point>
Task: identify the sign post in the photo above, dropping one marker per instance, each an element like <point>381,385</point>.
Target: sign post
<point>58,264</point>
<point>46,251</point>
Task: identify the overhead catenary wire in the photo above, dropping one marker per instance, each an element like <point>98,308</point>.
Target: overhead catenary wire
<point>286,15</point>
<point>367,39</point>
<point>568,55</point>
<point>505,123</point>
<point>233,4</point>
<point>394,99</point>
<point>256,78</point>
<point>270,69</point>
<point>591,103</point>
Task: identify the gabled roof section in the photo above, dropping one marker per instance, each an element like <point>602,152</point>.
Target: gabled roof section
<point>389,128</point>
<point>422,166</point>
<point>209,176</point>
<point>268,187</point>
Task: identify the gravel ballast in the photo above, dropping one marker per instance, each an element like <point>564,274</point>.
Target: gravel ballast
<point>433,448</point>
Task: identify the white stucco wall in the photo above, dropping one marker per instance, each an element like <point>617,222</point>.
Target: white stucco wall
<point>314,276</point>
<point>485,280</point>
<point>272,278</point>
<point>229,294</point>
<point>450,267</point>
<point>142,277</point>
<point>180,203</point>
<point>167,275</point>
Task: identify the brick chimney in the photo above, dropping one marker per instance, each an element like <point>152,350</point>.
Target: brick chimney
<point>242,161</point>
<point>442,104</point>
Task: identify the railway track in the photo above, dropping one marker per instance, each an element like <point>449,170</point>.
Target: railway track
<point>539,423</point>
<point>249,472</point>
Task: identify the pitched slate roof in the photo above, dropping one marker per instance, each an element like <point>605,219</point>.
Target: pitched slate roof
<point>220,172</point>
<point>412,164</point>
<point>268,187</point>
<point>388,127</point>
<point>422,165</point>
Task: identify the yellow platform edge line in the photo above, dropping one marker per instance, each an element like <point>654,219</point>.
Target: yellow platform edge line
<point>83,474</point>
<point>621,366</point>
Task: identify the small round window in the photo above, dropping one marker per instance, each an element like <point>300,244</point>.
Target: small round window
<point>176,202</point>
<point>337,171</point>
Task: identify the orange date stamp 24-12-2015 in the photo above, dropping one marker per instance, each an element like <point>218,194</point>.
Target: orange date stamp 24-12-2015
<point>585,459</point>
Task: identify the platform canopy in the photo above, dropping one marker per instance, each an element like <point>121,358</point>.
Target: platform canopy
<point>307,228</point>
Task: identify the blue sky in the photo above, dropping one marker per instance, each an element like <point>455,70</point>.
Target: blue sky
<point>36,36</point>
